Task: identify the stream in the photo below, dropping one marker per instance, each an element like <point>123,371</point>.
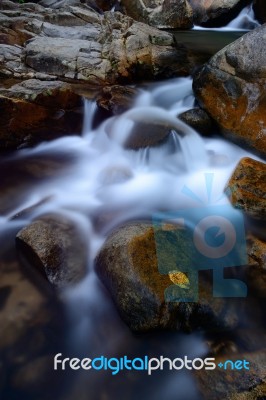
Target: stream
<point>95,181</point>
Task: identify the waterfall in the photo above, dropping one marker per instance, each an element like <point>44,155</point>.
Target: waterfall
<point>90,108</point>
<point>244,21</point>
<point>99,183</point>
<point>100,175</point>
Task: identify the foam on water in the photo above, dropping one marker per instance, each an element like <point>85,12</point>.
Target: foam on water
<point>102,184</point>
<point>104,178</point>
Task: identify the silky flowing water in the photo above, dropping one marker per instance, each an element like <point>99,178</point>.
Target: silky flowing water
<point>98,183</point>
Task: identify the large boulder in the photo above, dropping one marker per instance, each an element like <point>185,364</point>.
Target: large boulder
<point>231,88</point>
<point>45,47</point>
<point>56,247</point>
<point>211,11</point>
<point>243,384</point>
<point>114,49</point>
<point>256,272</point>
<point>162,14</point>
<point>128,266</point>
<point>36,110</point>
<point>247,188</point>
<point>30,330</point>
<point>77,43</point>
<point>23,306</point>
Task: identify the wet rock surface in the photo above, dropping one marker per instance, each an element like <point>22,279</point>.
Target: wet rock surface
<point>35,110</point>
<point>147,135</point>
<point>117,99</point>
<point>209,11</point>
<point>47,47</point>
<point>23,306</point>
<point>247,188</point>
<point>238,385</point>
<point>199,120</point>
<point>54,246</point>
<point>256,272</point>
<point>162,14</point>
<point>231,87</point>
<point>30,327</point>
<point>128,266</point>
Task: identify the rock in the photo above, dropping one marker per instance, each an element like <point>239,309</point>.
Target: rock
<point>147,135</point>
<point>259,10</point>
<point>256,393</point>
<point>199,120</point>
<point>217,12</point>
<point>55,4</point>
<point>251,339</point>
<point>24,310</point>
<point>55,246</point>
<point>116,99</point>
<point>234,385</point>
<point>256,271</point>
<point>36,110</point>
<point>106,5</point>
<point>162,14</point>
<point>231,87</point>
<point>247,188</point>
<point>118,49</point>
<point>32,318</point>
<point>78,43</point>
<point>97,5</point>
<point>127,265</point>
<point>35,377</point>
<point>257,251</point>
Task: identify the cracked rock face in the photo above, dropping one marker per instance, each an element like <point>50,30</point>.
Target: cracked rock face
<point>44,47</point>
<point>115,48</point>
<point>231,87</point>
<point>77,43</point>
<point>160,13</point>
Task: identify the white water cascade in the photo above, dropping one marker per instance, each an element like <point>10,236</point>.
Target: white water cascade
<point>100,176</point>
<point>244,21</point>
<point>94,176</point>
